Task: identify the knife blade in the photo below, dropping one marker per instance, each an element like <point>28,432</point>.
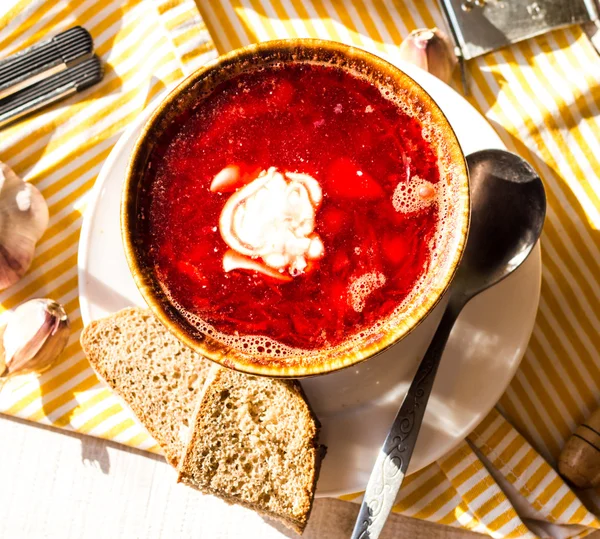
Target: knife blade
<point>482,26</point>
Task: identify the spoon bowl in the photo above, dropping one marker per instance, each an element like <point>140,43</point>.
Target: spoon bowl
<point>508,208</point>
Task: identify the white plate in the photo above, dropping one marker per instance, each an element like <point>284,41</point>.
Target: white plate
<point>356,406</point>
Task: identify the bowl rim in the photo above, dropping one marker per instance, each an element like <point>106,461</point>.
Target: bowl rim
<point>228,356</point>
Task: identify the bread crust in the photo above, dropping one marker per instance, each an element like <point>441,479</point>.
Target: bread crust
<point>130,374</point>
<point>189,468</point>
<point>117,348</point>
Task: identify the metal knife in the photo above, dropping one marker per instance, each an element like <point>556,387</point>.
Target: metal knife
<point>482,26</point>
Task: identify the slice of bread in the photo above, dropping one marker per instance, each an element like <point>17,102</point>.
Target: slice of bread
<point>253,441</point>
<point>153,372</point>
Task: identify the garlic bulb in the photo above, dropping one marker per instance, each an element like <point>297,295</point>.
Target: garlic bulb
<point>32,337</point>
<point>23,220</point>
<point>431,50</point>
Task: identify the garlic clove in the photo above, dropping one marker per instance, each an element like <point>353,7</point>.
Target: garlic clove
<point>33,336</point>
<point>431,50</point>
<point>413,48</point>
<point>23,221</point>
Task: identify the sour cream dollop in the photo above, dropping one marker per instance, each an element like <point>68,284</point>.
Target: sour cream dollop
<point>272,219</point>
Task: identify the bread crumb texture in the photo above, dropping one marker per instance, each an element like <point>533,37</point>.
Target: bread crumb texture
<point>153,372</point>
<point>254,442</point>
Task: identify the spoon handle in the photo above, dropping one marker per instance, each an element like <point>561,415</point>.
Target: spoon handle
<point>394,457</point>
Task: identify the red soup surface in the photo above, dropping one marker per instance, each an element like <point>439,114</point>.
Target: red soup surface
<point>373,223</point>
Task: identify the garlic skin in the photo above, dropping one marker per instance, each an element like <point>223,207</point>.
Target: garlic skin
<point>23,221</point>
<point>431,50</point>
<point>32,337</point>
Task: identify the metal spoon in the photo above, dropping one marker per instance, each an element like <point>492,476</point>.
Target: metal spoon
<point>508,207</point>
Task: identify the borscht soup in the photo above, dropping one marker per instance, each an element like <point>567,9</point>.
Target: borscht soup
<point>295,209</point>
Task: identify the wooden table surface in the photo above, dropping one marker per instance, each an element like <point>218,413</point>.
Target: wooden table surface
<point>59,485</point>
<point>68,486</point>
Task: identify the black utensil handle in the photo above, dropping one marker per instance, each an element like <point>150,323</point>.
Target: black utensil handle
<point>57,87</point>
<point>393,460</point>
<point>44,59</point>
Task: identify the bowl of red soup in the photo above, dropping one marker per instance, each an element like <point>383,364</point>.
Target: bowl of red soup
<point>295,207</point>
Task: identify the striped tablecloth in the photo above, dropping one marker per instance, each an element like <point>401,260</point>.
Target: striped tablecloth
<point>543,98</point>
<point>145,46</point>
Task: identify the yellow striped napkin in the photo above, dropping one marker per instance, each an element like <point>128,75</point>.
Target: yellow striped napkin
<point>542,96</point>
<point>145,46</point>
